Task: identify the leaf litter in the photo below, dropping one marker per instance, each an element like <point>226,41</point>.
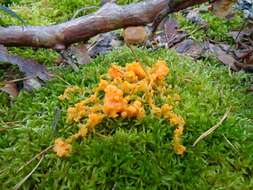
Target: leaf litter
<point>35,73</point>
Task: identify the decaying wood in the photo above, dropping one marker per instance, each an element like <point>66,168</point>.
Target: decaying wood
<point>108,17</point>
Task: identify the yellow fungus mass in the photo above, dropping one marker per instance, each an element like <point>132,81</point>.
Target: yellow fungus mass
<point>102,84</point>
<point>178,147</point>
<point>94,119</point>
<point>114,101</point>
<point>136,68</point>
<point>61,147</point>
<point>77,112</point>
<point>115,72</point>
<point>125,92</point>
<point>68,91</point>
<point>159,71</point>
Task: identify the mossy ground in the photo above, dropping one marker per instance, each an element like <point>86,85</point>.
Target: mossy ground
<point>137,154</point>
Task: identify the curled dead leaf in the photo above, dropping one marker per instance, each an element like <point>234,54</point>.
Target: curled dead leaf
<point>227,60</point>
<point>81,53</point>
<point>104,43</point>
<point>190,48</point>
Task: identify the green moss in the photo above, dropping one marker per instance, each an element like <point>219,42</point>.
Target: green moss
<point>138,154</point>
<point>43,56</point>
<point>218,29</point>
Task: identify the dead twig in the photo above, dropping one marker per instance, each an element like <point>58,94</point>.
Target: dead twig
<point>212,129</point>
<point>17,186</point>
<point>20,79</point>
<point>35,157</point>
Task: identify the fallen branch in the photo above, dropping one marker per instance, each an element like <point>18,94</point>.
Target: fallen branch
<point>109,17</point>
<point>212,129</point>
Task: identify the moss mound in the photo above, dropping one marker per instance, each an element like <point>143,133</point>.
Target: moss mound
<point>140,156</point>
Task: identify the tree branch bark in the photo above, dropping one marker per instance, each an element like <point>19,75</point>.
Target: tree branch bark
<point>108,17</point>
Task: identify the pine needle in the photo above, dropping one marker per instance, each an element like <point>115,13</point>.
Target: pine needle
<point>35,157</point>
<point>228,141</point>
<point>59,77</point>
<point>17,186</point>
<point>212,129</point>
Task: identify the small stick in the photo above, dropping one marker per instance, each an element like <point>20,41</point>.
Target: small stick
<point>17,80</point>
<point>17,186</point>
<point>212,129</point>
<point>100,135</point>
<point>35,157</point>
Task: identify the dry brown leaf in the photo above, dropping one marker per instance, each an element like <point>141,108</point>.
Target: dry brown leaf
<point>104,43</point>
<point>190,48</point>
<point>172,34</point>
<point>246,67</point>
<point>81,53</point>
<point>27,66</point>
<point>221,52</point>
<point>250,89</point>
<point>10,88</point>
<point>227,59</point>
